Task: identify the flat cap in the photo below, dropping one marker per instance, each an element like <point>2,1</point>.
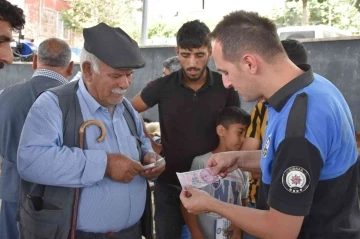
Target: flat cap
<point>113,47</point>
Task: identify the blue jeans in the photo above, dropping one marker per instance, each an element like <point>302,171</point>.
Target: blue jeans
<point>169,222</point>
<point>8,223</point>
<point>185,233</point>
<point>245,234</point>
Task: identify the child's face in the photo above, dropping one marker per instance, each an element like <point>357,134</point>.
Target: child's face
<point>234,136</point>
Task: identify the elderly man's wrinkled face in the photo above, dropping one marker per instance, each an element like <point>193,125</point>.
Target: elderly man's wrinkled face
<point>5,39</point>
<point>109,86</point>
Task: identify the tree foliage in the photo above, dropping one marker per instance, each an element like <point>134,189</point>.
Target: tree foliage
<point>86,13</point>
<point>339,13</point>
<point>305,15</point>
<point>161,30</point>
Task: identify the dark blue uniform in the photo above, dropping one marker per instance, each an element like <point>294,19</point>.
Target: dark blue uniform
<point>309,158</point>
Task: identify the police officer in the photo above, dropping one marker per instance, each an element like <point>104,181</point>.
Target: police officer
<point>309,158</point>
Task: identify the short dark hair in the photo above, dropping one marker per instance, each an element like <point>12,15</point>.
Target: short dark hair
<point>172,64</point>
<point>54,52</point>
<point>12,14</point>
<point>193,34</point>
<point>233,115</point>
<point>295,50</point>
<point>240,32</point>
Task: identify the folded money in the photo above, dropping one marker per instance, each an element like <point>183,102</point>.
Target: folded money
<point>197,178</point>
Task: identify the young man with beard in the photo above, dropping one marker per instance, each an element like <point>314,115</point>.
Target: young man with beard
<point>189,102</point>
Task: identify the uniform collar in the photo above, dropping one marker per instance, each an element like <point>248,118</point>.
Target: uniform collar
<point>280,98</point>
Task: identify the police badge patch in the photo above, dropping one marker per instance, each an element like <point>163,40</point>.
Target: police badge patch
<point>296,179</point>
<point>266,146</point>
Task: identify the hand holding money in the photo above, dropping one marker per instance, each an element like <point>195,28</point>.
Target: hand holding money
<point>226,162</point>
<point>223,163</point>
<point>197,178</point>
<point>193,200</point>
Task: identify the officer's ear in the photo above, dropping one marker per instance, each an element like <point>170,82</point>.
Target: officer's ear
<point>249,64</point>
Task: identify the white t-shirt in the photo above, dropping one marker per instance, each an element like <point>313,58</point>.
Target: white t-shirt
<point>231,189</point>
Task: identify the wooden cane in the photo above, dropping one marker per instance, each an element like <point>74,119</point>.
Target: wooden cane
<point>81,144</point>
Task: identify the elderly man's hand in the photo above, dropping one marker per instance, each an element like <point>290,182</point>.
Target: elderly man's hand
<point>196,201</point>
<point>121,168</point>
<point>152,173</point>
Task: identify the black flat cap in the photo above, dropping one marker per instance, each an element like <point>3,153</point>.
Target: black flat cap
<point>113,47</point>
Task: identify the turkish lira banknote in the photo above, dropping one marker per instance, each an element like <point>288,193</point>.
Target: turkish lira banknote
<point>197,178</point>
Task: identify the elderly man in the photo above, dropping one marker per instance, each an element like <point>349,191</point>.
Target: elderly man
<point>11,18</point>
<point>52,66</point>
<point>110,174</point>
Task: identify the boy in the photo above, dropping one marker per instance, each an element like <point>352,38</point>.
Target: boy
<point>231,127</point>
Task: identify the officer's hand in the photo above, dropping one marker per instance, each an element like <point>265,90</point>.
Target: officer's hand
<point>121,168</point>
<point>195,201</point>
<point>152,173</point>
<point>223,163</point>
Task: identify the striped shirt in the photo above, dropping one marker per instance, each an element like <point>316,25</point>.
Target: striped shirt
<point>256,130</point>
<point>258,121</point>
<point>105,205</point>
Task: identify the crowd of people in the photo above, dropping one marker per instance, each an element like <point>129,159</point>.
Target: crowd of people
<point>290,169</point>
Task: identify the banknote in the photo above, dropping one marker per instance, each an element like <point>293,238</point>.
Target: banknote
<point>197,178</point>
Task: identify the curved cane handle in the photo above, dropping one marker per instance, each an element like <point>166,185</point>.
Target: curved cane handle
<point>87,123</point>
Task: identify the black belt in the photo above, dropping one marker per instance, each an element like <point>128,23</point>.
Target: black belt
<point>130,232</point>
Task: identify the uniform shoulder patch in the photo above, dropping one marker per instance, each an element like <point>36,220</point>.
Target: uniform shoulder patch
<point>296,179</point>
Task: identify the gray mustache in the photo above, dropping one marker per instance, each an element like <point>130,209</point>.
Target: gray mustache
<point>119,91</point>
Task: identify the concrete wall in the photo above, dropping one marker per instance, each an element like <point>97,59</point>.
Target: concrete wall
<point>337,60</point>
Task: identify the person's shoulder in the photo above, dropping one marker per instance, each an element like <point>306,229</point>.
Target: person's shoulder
<point>163,81</point>
<point>217,79</point>
<point>204,156</point>
<point>323,96</point>
<point>200,161</point>
<point>15,87</point>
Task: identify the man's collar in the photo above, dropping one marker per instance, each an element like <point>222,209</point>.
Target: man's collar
<point>279,99</point>
<point>92,104</point>
<point>50,74</point>
<point>209,80</point>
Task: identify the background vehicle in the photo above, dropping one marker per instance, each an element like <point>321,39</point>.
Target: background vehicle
<point>319,31</point>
